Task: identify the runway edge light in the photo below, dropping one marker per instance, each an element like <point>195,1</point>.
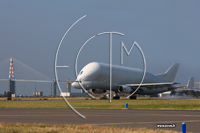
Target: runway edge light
<point>183,127</point>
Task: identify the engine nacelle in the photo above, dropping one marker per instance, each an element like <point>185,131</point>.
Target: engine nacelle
<point>124,89</point>
<point>98,91</point>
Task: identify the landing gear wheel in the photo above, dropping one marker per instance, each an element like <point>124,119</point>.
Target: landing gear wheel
<point>133,97</point>
<point>116,97</point>
<point>103,98</point>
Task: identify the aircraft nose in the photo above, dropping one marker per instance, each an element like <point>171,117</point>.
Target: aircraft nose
<point>75,84</point>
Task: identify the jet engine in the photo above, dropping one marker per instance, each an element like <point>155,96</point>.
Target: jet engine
<point>124,89</point>
<point>98,91</point>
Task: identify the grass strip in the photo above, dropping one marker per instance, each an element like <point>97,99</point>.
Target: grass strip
<point>47,128</point>
<point>105,104</point>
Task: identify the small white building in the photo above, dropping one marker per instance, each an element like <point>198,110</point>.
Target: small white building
<point>65,94</point>
<point>38,93</point>
<point>73,94</point>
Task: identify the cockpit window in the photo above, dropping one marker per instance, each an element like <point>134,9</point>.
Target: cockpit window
<point>80,72</point>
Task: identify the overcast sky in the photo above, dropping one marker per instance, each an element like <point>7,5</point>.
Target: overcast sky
<point>168,31</point>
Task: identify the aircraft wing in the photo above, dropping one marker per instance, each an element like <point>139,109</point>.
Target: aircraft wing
<point>167,84</point>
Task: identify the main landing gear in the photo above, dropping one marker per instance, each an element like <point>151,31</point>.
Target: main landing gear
<point>103,98</point>
<point>133,97</point>
<point>107,96</point>
<point>117,97</point>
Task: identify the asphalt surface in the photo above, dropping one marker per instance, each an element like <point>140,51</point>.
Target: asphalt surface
<point>105,117</point>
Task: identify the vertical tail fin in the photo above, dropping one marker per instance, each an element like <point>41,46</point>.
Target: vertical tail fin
<point>170,74</point>
<point>190,83</point>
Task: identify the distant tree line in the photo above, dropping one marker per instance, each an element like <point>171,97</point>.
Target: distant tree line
<point>7,94</point>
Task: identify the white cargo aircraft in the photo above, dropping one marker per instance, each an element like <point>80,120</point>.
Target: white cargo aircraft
<point>96,76</point>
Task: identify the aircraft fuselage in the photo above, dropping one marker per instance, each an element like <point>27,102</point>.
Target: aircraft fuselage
<point>97,76</point>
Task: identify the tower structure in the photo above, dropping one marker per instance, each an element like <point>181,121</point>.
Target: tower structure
<point>69,87</point>
<point>11,83</point>
<point>54,87</point>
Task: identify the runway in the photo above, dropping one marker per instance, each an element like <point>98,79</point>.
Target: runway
<point>103,117</point>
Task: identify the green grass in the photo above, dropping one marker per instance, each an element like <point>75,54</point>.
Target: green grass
<point>105,104</point>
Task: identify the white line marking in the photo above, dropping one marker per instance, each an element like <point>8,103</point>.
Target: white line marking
<point>62,66</point>
<point>110,64</point>
<point>110,54</point>
<point>144,73</point>
<point>125,123</point>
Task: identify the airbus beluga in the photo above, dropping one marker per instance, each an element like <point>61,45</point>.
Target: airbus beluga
<point>96,76</point>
